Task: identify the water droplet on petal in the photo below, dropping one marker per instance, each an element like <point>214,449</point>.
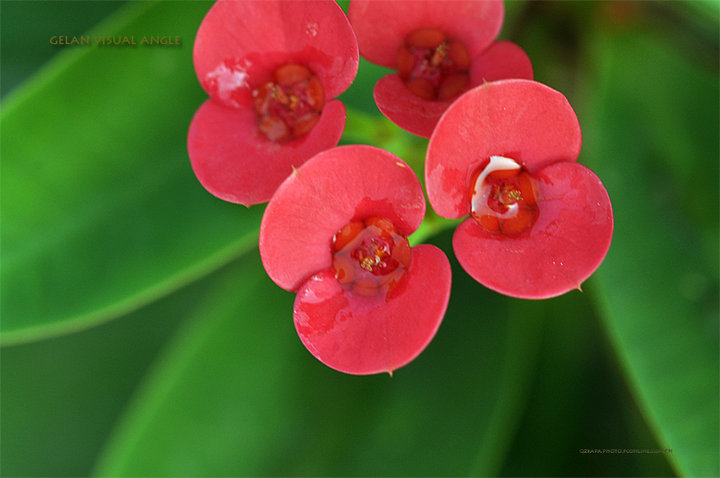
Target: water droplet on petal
<point>312,30</point>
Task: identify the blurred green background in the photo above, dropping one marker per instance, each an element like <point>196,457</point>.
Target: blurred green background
<point>141,337</point>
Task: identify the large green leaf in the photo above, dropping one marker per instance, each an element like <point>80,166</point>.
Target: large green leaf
<point>239,352</point>
<point>101,211</point>
<point>651,135</point>
<point>61,397</point>
<point>237,394</point>
<point>26,28</point>
<point>579,401</point>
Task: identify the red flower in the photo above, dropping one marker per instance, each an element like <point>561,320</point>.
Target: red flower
<point>505,153</point>
<point>439,50</point>
<point>271,68</point>
<point>335,232</point>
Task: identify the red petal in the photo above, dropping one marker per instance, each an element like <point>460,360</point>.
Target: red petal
<point>405,108</point>
<point>420,116</point>
<point>520,119</point>
<point>381,26</point>
<point>363,335</point>
<point>335,187</point>
<point>566,244</point>
<point>502,60</point>
<point>239,44</point>
<point>236,162</point>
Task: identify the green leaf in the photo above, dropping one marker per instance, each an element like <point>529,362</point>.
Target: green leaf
<point>101,211</point>
<point>26,29</point>
<point>225,378</point>
<point>578,401</point>
<point>61,397</point>
<point>238,389</point>
<point>652,138</point>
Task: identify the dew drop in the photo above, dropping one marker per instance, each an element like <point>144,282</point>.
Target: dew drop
<point>312,30</point>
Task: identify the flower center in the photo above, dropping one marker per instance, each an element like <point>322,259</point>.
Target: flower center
<point>433,66</point>
<point>370,256</point>
<point>503,197</point>
<point>288,106</point>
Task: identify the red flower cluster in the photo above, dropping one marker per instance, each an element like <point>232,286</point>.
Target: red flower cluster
<point>502,151</point>
<point>336,233</point>
<point>272,69</point>
<point>439,50</point>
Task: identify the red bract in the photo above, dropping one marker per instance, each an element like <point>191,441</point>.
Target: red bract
<point>335,232</point>
<point>505,154</point>
<point>438,48</point>
<point>271,68</point>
